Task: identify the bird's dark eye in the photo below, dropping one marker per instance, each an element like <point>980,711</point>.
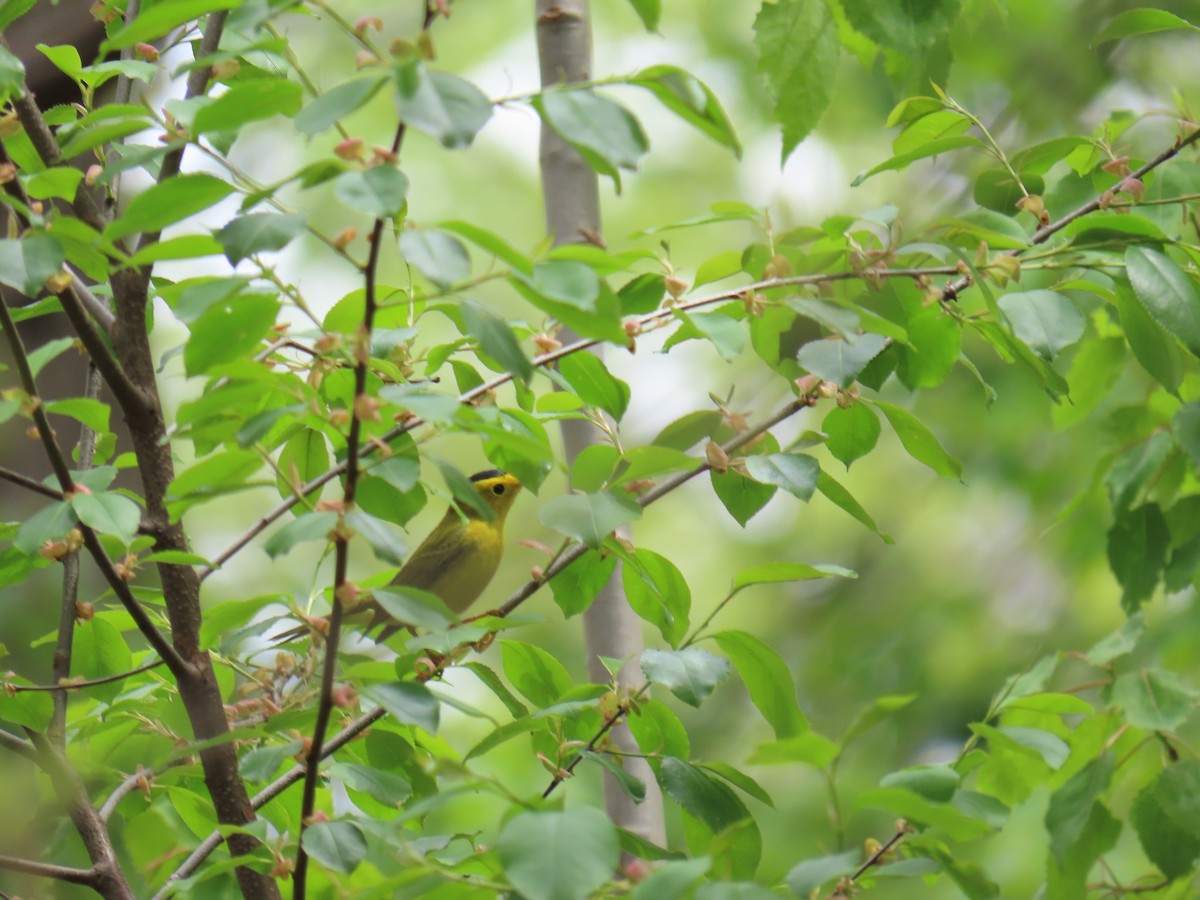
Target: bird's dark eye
<point>497,489</point>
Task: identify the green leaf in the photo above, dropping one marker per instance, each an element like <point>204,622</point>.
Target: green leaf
<point>303,458</point>
<point>687,431</point>
<point>380,191</point>
<point>934,345</point>
<point>691,674</point>
<point>879,710</point>
<point>155,21</point>
<point>649,12</point>
<point>338,845</point>
<point>1167,843</point>
<point>919,441</point>
<point>839,361</point>
<point>99,651</point>
<point>807,876</point>
<point>61,182</point>
<point>658,593</point>
<point>385,542</point>
<point>414,606</point>
<point>1167,293</point>
<point>796,473</point>
<point>491,243</point>
<point>726,334</point>
<point>594,384</point>
<point>169,202</point>
<point>389,788</point>
<point>408,703</point>
<point>228,330</point>
<point>1155,350</point>
<point>256,232</point>
<point>1154,699</point>
<point>536,675</point>
<point>690,99</point>
<point>29,709</point>
<point>1141,21</point>
<point>1132,470</point>
<point>50,523</point>
<point>1120,643</point>
<point>1071,805</point>
<point>533,845</point>
<point>852,432</point>
<point>88,412</point>
<point>12,74</point>
<point>672,880</point>
<point>633,786</point>
<point>603,132</point>
<point>767,680</point>
<point>742,497</point>
<point>444,106</point>
<point>916,809</point>
<point>438,256</point>
<point>798,48</point>
<point>589,518</point>
<point>839,496</point>
<point>562,281</point>
<point>911,26</point>
<point>312,526</point>
<point>1137,552</point>
<point>778,573</point>
<point>497,340</point>
<point>1186,426</point>
<point>701,795</point>
<point>1179,794</point>
<point>108,513</point>
<point>935,783</point>
<point>249,101</point>
<point>576,586</point>
<point>932,148</point>
<point>25,264</point>
<point>324,111</point>
<point>492,681</point>
<point>1046,321</point>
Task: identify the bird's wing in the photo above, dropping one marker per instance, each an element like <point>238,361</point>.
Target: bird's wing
<point>437,561</point>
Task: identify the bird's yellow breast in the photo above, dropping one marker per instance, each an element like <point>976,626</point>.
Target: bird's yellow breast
<point>460,582</point>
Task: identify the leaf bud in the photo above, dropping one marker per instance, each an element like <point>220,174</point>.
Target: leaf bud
<point>84,611</point>
<point>1118,165</point>
<point>9,125</point>
<point>372,22</point>
<point>1133,187</point>
<point>145,51</point>
<point>546,343</point>
<point>225,69</point>
<point>349,149</point>
<point>75,536</point>
<point>93,174</point>
<point>349,596</point>
<point>342,239</point>
<point>8,172</point>
<point>53,550</point>
<point>718,459</point>
<point>364,59</point>
<point>366,408</point>
<point>59,281</point>
<point>676,286</point>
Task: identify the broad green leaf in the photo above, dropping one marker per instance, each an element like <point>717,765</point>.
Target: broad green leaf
<point>562,281</point>
<point>687,431</point>
<point>1045,320</point>
<point>839,361</point>
<point>934,345</point>
<point>533,845</point>
<point>61,182</point>
<point>589,518</point>
<point>249,101</point>
<point>935,783</point>
<point>798,48</point>
<point>743,497</point>
<point>385,542</point>
<point>256,232</point>
<point>603,132</point>
<point>649,11</point>
<point>690,99</point>
<point>1167,292</point>
<point>155,21</point>
<point>85,410</point>
<point>29,709</point>
<point>444,106</point>
<point>837,494</point>
<point>438,256</point>
<point>1071,805</point>
<point>590,379</point>
<point>26,264</point>
<point>658,593</point>
<point>879,710</point>
<point>407,702</point>
<point>1186,426</point>
<point>536,675</point>
<point>919,441</point>
<point>339,845</point>
<point>576,586</point>
<point>261,763</point>
<point>380,191</point>
<point>1138,466</point>
<point>414,606</point>
<point>1137,552</point>
<point>12,74</point>
<point>224,620</point>
<point>910,26</point>
<point>491,243</point>
<point>1154,699</point>
<point>1179,794</point>
<point>1120,643</point>
<point>312,526</point>
<point>497,340</point>
<point>1156,351</point>
<point>701,795</point>
<point>778,573</point>
<point>796,473</point>
<point>671,880</point>
<point>50,523</point>
<point>628,782</point>
<point>932,148</point>
<point>691,674</point>
<point>389,788</point>
<point>324,111</point>
<point>1170,845</point>
<point>807,876</point>
<point>852,432</point>
<point>1141,21</point>
<point>169,202</point>
<point>727,335</point>
<point>228,330</point>
<point>767,680</point>
<point>99,651</point>
<point>917,809</point>
<point>108,513</point>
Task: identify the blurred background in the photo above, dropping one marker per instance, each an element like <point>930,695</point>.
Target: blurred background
<point>985,576</point>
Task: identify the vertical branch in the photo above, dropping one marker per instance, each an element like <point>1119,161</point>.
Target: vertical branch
<point>61,665</point>
<point>572,199</point>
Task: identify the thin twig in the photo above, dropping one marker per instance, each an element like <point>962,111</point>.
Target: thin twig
<point>30,484</point>
<point>878,854</point>
<point>68,685</point>
<point>14,744</point>
<point>131,784</point>
<point>68,874</point>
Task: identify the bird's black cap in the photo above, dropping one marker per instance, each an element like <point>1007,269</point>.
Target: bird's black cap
<point>490,473</point>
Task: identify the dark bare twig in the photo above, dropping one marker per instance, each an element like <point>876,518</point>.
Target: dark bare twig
<point>30,484</point>
<point>68,685</point>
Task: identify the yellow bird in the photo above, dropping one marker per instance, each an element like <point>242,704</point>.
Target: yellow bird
<point>458,558</point>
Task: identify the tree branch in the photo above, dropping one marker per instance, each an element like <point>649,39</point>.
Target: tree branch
<point>14,744</point>
<point>68,874</point>
<point>1043,234</point>
<point>30,484</point>
<point>67,685</point>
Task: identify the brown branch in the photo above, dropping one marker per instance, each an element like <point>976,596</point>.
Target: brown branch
<point>1043,234</point>
<point>875,857</point>
<point>647,322</point>
<point>68,874</point>
<point>133,783</point>
<point>14,744</point>
<point>129,396</point>
<point>565,773</point>
<point>30,484</point>
<point>342,543</point>
<point>67,685</point>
